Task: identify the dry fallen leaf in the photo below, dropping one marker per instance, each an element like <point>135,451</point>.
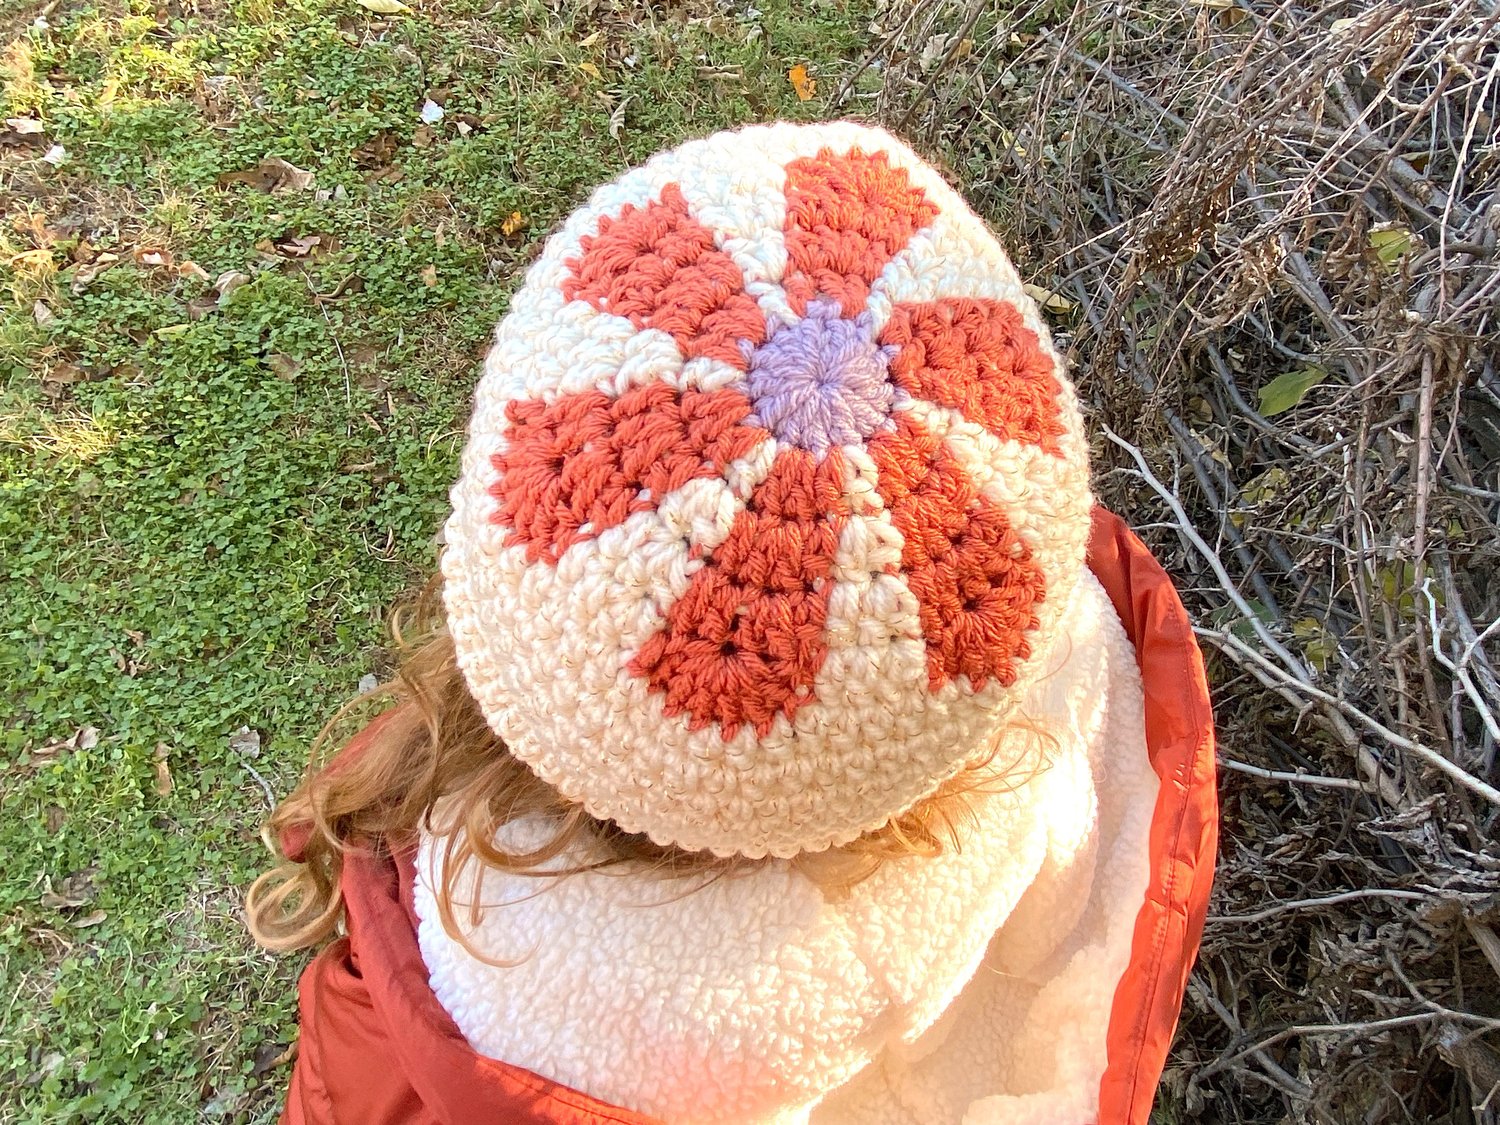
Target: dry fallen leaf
<point>591,70</point>
<point>72,891</point>
<point>269,1056</point>
<point>84,275</point>
<point>57,380</point>
<point>363,354</point>
<point>272,174</point>
<point>192,269</point>
<point>34,226</point>
<point>246,741</point>
<point>153,257</point>
<point>617,117</point>
<point>55,155</point>
<point>163,771</point>
<point>429,275</point>
<point>383,7</point>
<point>512,223</point>
<point>228,281</point>
<point>933,51</point>
<point>93,918</point>
<point>802,82</point>
<point>284,366</point>
<point>55,383</point>
<point>42,314</point>
<point>376,152</point>
<point>300,246</point>
<point>391,175</point>
<point>65,373</point>
<point>1054,302</point>
<point>24,126</point>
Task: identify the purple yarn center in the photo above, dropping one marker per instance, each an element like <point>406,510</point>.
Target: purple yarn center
<point>823,381</point>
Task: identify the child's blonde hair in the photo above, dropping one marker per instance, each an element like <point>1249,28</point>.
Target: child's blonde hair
<point>435,745</point>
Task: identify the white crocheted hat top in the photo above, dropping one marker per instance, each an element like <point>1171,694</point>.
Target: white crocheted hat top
<point>774,493</point>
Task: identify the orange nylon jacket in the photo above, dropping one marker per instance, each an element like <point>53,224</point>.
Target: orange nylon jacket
<point>377,1048</point>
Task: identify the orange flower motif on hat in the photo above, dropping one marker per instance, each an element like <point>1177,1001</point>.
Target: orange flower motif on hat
<point>784,486</point>
<point>745,642</point>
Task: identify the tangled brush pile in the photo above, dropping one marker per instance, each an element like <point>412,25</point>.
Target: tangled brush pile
<point>1268,236</point>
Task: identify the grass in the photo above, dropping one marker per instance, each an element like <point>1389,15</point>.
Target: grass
<point>210,495</point>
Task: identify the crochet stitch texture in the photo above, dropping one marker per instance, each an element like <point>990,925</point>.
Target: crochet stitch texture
<point>774,493</point>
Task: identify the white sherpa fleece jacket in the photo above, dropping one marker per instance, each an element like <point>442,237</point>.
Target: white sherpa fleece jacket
<point>969,989</point>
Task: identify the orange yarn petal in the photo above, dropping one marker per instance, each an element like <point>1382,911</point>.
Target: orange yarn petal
<point>847,215</point>
<point>574,467</point>
<point>746,640</point>
<point>659,267</point>
<point>976,584</point>
<point>978,356</point>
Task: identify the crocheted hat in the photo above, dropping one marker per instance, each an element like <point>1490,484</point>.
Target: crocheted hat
<point>774,495</point>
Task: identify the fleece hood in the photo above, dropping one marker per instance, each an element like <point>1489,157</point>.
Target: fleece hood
<point>1034,975</point>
